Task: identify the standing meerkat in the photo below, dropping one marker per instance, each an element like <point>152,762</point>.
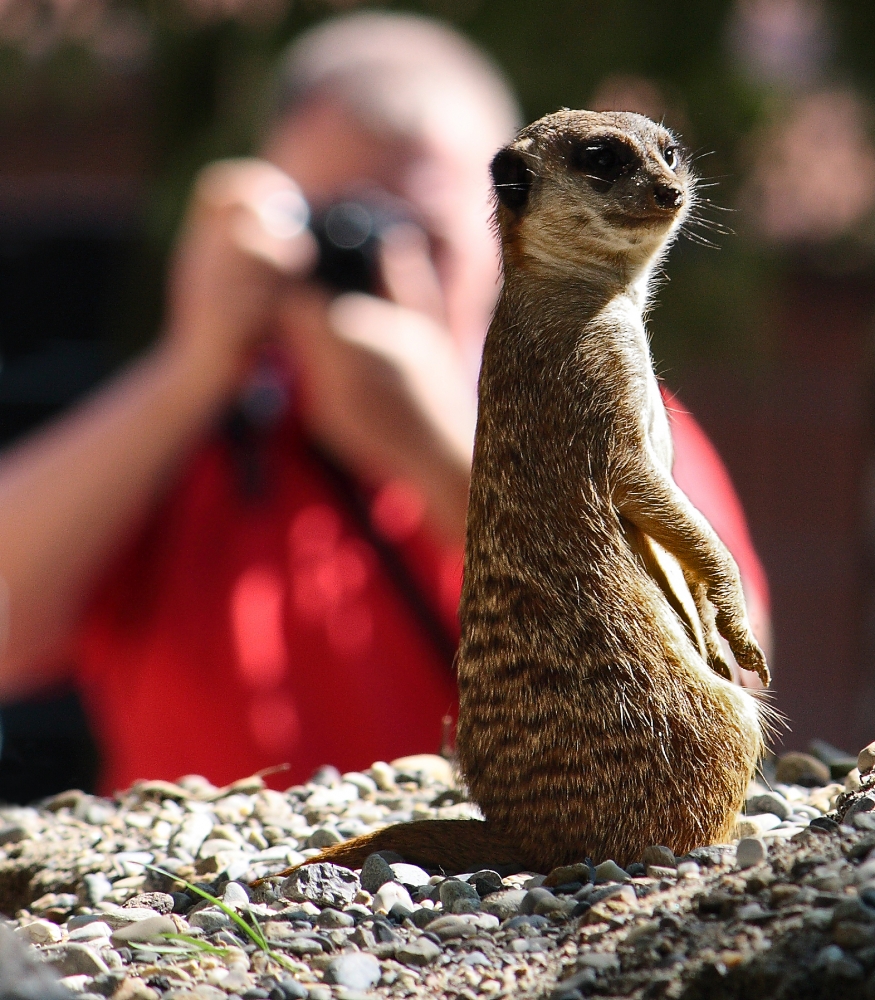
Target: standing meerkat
<point>597,715</point>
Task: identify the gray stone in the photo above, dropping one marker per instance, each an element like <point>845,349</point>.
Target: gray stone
<point>152,929</point>
<point>555,905</point>
<point>324,837</point>
<point>658,855</point>
<point>301,944</point>
<point>13,834</point>
<point>486,882</point>
<point>420,952</point>
<point>801,769</point>
<point>97,887</point>
<point>376,872</point>
<point>210,919</point>
<point>120,917</point>
<point>526,920</point>
<point>323,884</point>
<point>750,851</point>
<point>409,875</point>
<point>465,905</point>
<point>335,918</point>
<point>74,959</point>
<point>292,989</point>
<point>864,804</point>
<point>575,986</point>
<point>160,902</point>
<point>422,917</point>
<point>355,970</point>
<point>453,889</point>
<point>533,897</point>
<point>768,802</point>
<point>448,928</point>
<point>504,904</point>
<point>610,871</point>
<point>91,931</point>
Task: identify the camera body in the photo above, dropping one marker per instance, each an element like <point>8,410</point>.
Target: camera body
<point>349,234</point>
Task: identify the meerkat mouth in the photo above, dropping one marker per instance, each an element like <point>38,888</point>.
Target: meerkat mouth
<point>643,220</point>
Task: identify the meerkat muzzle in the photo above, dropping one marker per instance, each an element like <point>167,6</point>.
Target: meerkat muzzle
<point>668,197</point>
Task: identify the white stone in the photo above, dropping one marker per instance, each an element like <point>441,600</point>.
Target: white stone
<point>195,829</point>
<point>384,775</point>
<point>750,851</point>
<point>90,932</point>
<point>753,826</point>
<point>429,765</point>
<point>390,894</point>
<point>40,932</point>
<point>366,785</point>
<point>235,896</point>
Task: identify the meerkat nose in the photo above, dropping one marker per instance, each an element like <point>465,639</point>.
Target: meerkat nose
<point>668,196</point>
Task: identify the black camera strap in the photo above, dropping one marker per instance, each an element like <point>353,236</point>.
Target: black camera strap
<point>403,580</point>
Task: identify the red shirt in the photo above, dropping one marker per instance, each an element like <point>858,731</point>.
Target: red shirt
<point>240,632</point>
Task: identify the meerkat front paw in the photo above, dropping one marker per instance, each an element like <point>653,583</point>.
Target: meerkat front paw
<point>751,657</point>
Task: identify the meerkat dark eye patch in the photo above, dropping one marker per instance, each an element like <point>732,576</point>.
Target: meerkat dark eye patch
<point>512,179</point>
<point>603,161</point>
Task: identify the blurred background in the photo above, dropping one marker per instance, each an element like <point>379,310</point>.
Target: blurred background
<point>109,107</point>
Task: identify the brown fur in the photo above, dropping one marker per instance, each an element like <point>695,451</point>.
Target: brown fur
<point>595,718</point>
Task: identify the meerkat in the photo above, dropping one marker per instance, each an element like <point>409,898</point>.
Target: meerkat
<point>597,715</point>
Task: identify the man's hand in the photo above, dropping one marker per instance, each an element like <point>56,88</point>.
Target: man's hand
<point>243,238</point>
<point>383,385</point>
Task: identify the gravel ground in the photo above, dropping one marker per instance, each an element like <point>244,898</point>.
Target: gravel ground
<point>787,911</point>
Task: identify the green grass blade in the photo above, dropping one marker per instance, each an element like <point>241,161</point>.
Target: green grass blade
<point>197,943</point>
<point>252,931</point>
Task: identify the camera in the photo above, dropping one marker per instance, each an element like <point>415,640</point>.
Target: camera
<point>349,234</point>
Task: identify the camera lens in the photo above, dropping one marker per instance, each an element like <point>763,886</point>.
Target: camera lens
<point>348,225</point>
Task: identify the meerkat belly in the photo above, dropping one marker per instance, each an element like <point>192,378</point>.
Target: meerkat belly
<point>567,723</point>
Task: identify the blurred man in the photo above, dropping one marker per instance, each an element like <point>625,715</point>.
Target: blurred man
<point>280,585</point>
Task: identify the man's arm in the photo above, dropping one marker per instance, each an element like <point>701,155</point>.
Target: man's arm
<point>70,493</point>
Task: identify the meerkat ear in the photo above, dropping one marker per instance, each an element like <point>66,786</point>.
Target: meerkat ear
<point>512,179</point>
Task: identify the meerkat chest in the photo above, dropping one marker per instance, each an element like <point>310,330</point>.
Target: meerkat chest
<point>622,325</point>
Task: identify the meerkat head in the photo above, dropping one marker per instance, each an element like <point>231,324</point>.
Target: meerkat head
<point>580,190</point>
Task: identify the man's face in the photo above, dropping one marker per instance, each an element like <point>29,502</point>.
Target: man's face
<point>329,153</point>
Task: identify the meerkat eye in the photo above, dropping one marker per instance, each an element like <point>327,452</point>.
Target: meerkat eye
<point>603,160</point>
<point>670,155</point>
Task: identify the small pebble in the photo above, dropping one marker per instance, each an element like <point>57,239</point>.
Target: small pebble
<point>376,872</point>
<point>384,775</point>
<point>866,759</point>
<point>750,851</point>
<point>610,871</point>
<point>422,951</point>
<point>801,769</point>
<point>454,889</point>
<point>390,895</point>
<point>355,970</point>
<point>659,856</point>
<point>768,802</point>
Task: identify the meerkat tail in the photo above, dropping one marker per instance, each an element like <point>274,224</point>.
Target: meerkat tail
<point>449,845</point>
